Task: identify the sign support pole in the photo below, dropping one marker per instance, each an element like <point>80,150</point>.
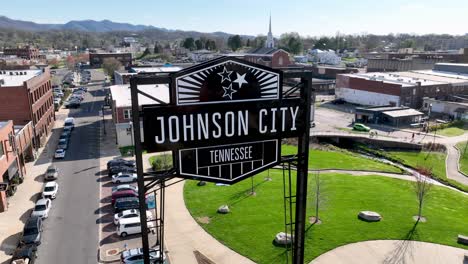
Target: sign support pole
<point>302,175</point>
<point>139,164</point>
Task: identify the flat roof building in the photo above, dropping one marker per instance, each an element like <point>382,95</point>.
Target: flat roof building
<point>401,88</point>
<point>26,96</point>
<point>97,59</point>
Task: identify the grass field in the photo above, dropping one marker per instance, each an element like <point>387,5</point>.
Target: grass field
<point>463,157</point>
<point>254,220</point>
<point>321,159</point>
<point>451,132</point>
<point>432,160</point>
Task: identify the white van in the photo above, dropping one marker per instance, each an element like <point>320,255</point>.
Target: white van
<point>130,226</point>
<point>69,121</point>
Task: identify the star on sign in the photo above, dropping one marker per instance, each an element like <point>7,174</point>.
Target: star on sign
<point>240,79</point>
<point>225,75</point>
<point>228,91</point>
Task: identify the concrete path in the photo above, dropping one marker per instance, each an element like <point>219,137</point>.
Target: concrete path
<point>21,203</point>
<point>452,165</point>
<point>392,252</point>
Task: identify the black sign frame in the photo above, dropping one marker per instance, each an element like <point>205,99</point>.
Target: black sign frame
<point>301,91</point>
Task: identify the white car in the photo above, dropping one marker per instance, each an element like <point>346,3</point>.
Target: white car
<point>59,154</point>
<point>42,208</point>
<point>124,177</point>
<point>131,213</point>
<point>135,255</point>
<point>124,187</point>
<point>50,190</point>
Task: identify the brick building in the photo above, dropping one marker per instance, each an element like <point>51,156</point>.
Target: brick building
<point>27,96</point>
<point>271,57</point>
<point>26,52</point>
<point>122,108</point>
<point>96,59</point>
<point>402,88</point>
<point>9,165</point>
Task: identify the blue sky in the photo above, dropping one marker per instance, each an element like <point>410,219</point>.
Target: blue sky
<point>307,17</point>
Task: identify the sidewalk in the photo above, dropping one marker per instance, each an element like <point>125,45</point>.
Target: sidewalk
<point>392,251</point>
<point>20,205</point>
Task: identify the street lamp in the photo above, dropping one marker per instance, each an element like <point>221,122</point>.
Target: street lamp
<point>103,120</point>
<point>130,124</point>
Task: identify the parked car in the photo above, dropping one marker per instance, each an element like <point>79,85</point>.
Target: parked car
<point>50,190</point>
<point>60,154</point>
<point>121,194</point>
<point>52,173</point>
<point>72,104</point>
<point>124,187</point>
<point>361,127</point>
<point>69,122</point>
<point>120,162</point>
<point>135,255</point>
<point>83,88</point>
<point>67,129</point>
<point>42,208</point>
<point>118,169</point>
<point>59,94</point>
<point>65,135</point>
<point>25,254</point>
<point>131,226</point>
<point>126,203</point>
<point>62,144</point>
<point>124,177</point>
<point>130,214</point>
<point>32,231</point>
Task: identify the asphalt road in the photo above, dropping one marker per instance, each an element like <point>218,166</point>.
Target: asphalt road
<point>71,231</point>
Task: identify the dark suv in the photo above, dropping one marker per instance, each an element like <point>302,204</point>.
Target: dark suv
<point>126,203</point>
<point>32,231</point>
<point>121,168</point>
<point>120,162</point>
<point>27,253</point>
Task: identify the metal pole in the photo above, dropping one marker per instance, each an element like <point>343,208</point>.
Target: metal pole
<point>139,164</point>
<point>302,174</point>
<point>103,120</point>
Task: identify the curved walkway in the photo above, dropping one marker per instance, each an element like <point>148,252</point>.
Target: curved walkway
<point>392,252</point>
<point>452,165</point>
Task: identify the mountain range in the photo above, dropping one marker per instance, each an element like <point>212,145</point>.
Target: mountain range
<point>79,25</point>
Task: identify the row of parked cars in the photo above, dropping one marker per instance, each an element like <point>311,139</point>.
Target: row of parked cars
<point>64,138</point>
<point>74,101</point>
<point>32,231</point>
<point>126,207</point>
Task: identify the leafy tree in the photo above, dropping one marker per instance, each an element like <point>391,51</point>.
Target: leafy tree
<point>71,62</point>
<point>259,41</point>
<point>199,44</point>
<point>157,49</point>
<point>247,43</point>
<point>189,43</point>
<point>234,42</point>
<point>110,65</point>
<point>408,43</point>
<point>210,45</point>
<point>324,43</point>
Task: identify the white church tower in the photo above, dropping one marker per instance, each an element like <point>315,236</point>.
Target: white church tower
<point>270,42</point>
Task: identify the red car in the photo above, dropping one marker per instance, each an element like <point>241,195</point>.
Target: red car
<point>122,194</point>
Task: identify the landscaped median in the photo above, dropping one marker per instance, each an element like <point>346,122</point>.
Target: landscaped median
<point>463,149</point>
<point>253,221</point>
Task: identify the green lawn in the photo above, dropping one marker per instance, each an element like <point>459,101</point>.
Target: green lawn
<point>450,132</point>
<point>463,157</point>
<point>432,160</point>
<point>321,159</point>
<point>254,220</point>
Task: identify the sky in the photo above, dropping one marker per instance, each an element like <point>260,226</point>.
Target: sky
<point>250,17</point>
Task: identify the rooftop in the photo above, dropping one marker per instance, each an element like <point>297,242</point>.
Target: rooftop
<point>16,78</point>
<point>121,94</point>
<point>155,69</point>
<point>403,113</point>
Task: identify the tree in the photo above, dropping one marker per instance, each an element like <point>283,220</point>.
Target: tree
<point>316,195</point>
<point>324,43</point>
<point>234,42</point>
<point>71,63</point>
<point>110,65</point>
<point>295,45</point>
<point>198,44</point>
<point>247,43</point>
<point>189,43</point>
<point>210,44</point>
<point>259,41</point>
<point>407,43</point>
<point>422,186</point>
<point>157,48</point>
<point>145,53</point>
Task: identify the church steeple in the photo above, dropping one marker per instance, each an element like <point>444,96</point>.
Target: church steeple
<point>270,42</point>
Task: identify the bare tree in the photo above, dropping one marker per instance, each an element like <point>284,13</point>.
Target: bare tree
<point>316,195</point>
<point>422,187</point>
<point>110,65</point>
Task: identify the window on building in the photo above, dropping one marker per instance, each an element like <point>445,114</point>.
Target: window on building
<point>2,152</point>
<point>280,61</point>
<point>127,114</point>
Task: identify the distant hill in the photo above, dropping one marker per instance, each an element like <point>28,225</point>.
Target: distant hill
<point>79,25</point>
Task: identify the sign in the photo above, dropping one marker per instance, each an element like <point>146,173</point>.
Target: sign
<point>3,186</point>
<point>226,122</point>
